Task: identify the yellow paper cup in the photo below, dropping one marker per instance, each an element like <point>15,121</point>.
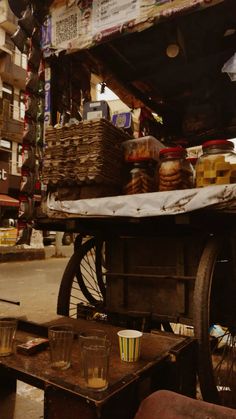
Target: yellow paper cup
<point>130,344</point>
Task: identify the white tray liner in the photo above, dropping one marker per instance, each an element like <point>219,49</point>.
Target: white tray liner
<point>149,204</point>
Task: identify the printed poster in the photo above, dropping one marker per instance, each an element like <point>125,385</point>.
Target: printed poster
<point>112,13</point>
<point>80,24</point>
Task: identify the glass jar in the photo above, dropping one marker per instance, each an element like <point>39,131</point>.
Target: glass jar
<point>175,171</point>
<point>193,161</point>
<point>140,177</point>
<point>217,164</point>
<point>141,149</point>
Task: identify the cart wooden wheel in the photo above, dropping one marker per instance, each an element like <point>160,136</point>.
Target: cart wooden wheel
<point>215,310</point>
<point>83,282</point>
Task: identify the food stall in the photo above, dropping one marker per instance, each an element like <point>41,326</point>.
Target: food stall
<point>157,258</point>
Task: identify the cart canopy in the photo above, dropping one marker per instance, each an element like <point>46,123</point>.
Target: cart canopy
<point>165,55</point>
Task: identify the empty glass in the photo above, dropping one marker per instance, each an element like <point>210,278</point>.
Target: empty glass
<point>8,328</point>
<point>60,341</point>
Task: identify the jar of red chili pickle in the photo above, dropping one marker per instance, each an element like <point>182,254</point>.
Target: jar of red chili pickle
<point>175,171</point>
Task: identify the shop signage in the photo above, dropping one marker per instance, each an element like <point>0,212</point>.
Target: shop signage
<point>47,88</point>
<point>4,177</point>
<point>5,144</point>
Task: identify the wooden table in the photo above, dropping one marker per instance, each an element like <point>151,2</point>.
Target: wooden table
<point>167,361</point>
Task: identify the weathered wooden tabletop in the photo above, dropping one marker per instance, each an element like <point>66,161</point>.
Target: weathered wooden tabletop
<point>35,369</point>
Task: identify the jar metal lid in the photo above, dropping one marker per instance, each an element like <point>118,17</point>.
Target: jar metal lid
<point>175,151</point>
<point>141,163</point>
<point>218,143</point>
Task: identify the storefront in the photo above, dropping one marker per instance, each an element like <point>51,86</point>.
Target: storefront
<point>8,204</point>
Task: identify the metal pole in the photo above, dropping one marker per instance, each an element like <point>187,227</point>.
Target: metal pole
<point>58,244</point>
<point>17,303</point>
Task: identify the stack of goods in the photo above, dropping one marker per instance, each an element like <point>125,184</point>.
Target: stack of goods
<point>141,159</point>
<point>86,158</point>
<point>217,165</point>
<point>123,120</point>
<point>175,171</point>
<point>27,38</point>
<point>98,109</point>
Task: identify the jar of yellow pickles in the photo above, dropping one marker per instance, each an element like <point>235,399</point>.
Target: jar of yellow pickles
<point>217,164</point>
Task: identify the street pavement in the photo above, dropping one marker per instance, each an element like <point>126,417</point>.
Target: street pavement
<point>35,284</point>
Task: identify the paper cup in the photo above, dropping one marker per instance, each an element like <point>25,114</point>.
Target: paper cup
<point>129,343</point>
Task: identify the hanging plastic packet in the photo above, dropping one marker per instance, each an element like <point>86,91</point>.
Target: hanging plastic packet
<point>39,152</point>
<point>20,39</point>
<point>27,183</point>
<point>39,134</point>
<point>40,109</point>
<point>230,68</point>
<point>31,106</point>
<point>29,134</point>
<point>41,74</point>
<point>18,7</point>
<point>41,91</point>
<point>32,82</point>
<point>25,208</point>
<point>39,13</point>
<point>28,157</point>
<point>27,21</point>
<point>37,190</point>
<point>34,58</point>
<point>36,37</point>
<point>37,181</point>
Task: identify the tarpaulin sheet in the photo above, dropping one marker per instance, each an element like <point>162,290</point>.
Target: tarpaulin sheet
<point>147,205</point>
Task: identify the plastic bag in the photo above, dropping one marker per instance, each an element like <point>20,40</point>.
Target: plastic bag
<point>230,68</point>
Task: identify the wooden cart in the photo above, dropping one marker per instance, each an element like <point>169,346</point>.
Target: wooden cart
<point>175,271</point>
<point>150,269</point>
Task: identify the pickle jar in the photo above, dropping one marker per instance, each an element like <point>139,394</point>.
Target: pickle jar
<point>140,177</point>
<point>217,164</point>
<point>175,171</point>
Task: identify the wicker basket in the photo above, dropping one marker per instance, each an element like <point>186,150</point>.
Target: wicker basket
<point>84,160</point>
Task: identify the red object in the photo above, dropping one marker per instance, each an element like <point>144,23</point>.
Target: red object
<point>172,150</point>
<point>164,404</point>
<point>175,152</point>
<point>8,201</point>
<point>215,143</point>
<point>192,160</point>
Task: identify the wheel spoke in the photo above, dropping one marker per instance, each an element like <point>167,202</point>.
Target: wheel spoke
<point>214,290</point>
<point>224,364</point>
<point>81,281</point>
<point>89,283</point>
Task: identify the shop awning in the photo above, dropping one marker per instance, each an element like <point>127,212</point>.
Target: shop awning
<point>8,201</point>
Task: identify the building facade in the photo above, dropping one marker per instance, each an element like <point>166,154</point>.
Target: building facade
<point>13,65</point>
